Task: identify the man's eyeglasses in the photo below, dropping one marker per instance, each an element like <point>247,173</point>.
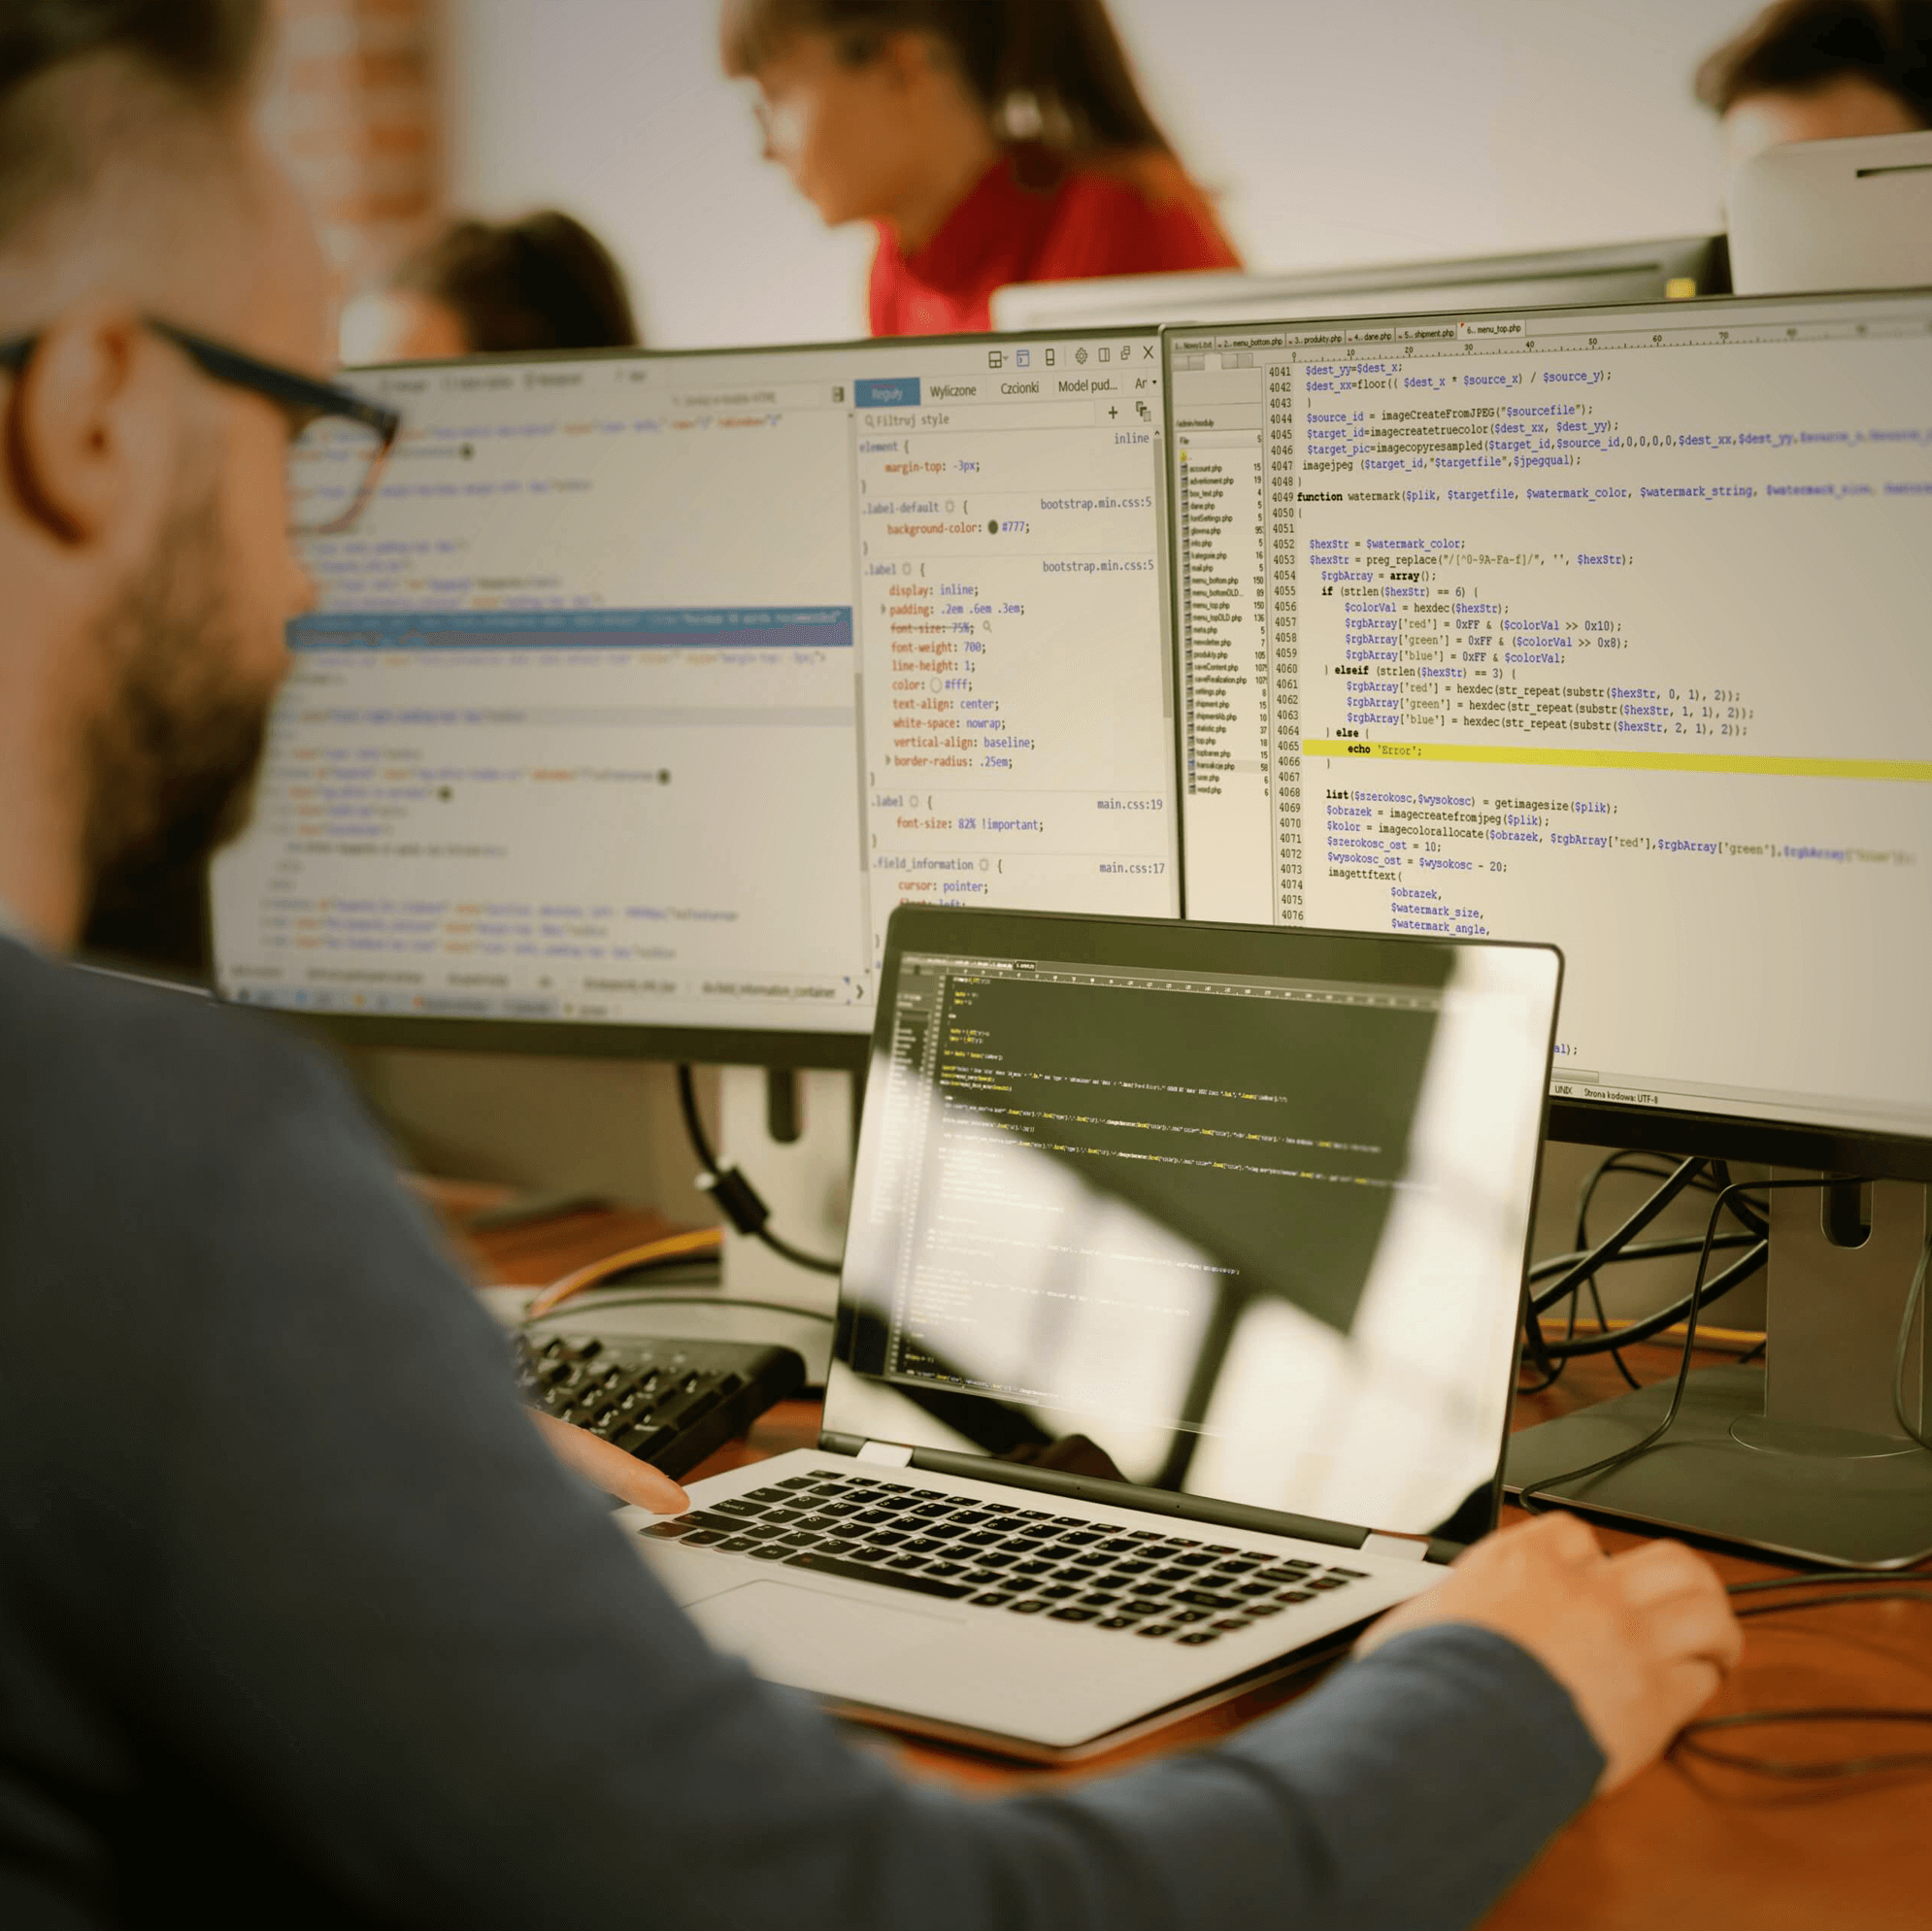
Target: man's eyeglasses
<point>338,439</point>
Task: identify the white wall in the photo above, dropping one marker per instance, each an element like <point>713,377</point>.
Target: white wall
<point>1357,130</point>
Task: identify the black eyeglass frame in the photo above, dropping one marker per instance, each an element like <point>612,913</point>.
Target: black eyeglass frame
<point>303,399</point>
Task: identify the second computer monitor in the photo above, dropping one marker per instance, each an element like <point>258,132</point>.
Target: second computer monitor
<point>647,684</point>
<point>1601,626</point>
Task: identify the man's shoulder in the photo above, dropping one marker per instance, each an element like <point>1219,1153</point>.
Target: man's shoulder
<point>99,1067</point>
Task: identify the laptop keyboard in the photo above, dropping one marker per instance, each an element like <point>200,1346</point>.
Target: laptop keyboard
<point>995,1556</point>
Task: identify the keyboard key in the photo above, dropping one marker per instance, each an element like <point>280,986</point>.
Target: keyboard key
<point>1072,1614</point>
<point>1120,1546</point>
<point>1229,1622</point>
<point>817,1564</point>
<point>944,1568</point>
<point>868,1552</point>
<point>1075,1573</point>
<point>771,1551</point>
<point>994,1598</point>
<point>986,1539</point>
<point>1205,1599</point>
<point>1174,1574</point>
<point>1351,1574</point>
<point>1286,1571</point>
<point>668,1531</point>
<point>1328,1582</point>
<point>1199,1636</point>
<point>907,1562</point>
<point>1187,1616</point>
<point>701,1538</point>
<point>1249,1589</point>
<point>1100,1599</point>
<point>1032,1567</point>
<point>1132,1568</point>
<point>1156,1629</point>
<point>739,1545</point>
<point>1117,1622</point>
<point>796,1482</point>
<point>992,1558</point>
<point>1148,1589</point>
<point>1296,1596</point>
<point>740,1505</point>
<point>1254,1610</point>
<point>1056,1592</point>
<point>1032,1606</point>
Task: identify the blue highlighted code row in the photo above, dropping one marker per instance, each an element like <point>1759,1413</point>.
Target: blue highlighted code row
<point>790,628</point>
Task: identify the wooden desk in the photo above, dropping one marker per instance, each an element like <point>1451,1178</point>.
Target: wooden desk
<point>1682,1844</point>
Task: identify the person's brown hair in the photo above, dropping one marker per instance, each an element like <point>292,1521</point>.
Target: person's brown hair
<point>1048,72</point>
<point>200,54</point>
<point>1797,45</point>
<point>544,282</point>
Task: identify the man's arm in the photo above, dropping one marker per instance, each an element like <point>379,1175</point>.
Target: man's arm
<point>435,1671</point>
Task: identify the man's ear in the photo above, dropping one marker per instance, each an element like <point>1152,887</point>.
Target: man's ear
<point>90,426</point>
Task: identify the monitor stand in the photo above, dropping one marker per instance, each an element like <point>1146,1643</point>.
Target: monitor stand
<point>1802,1459</point>
<point>794,1136</point>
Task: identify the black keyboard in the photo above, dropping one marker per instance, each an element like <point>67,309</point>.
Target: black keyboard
<point>1024,1561</point>
<point>668,1402</point>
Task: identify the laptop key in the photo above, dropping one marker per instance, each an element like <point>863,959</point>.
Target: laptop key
<point>1198,1636</point>
<point>1100,1599</point>
<point>1117,1622</point>
<point>816,1564</point>
<point>1328,1582</point>
<point>994,1598</point>
<point>667,1531</point>
<point>1187,1616</point>
<point>1205,1599</point>
<point>1032,1567</point>
<point>739,1545</point>
<point>907,1562</point>
<point>863,1552</point>
<point>1056,1592</point>
<point>1132,1568</point>
<point>1351,1574</point>
<point>1253,1609</point>
<point>1032,1606</point>
<point>1072,1614</point>
<point>741,1505</point>
<point>1295,1596</point>
<point>701,1538</point>
<point>770,1551</point>
<point>1229,1622</point>
<point>1156,1629</point>
<point>1287,1570</point>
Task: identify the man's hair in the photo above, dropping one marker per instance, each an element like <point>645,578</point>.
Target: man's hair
<point>1797,45</point>
<point>545,282</point>
<point>199,56</point>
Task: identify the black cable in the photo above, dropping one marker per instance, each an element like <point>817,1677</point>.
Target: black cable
<point>1800,1770</point>
<point>1665,1249</point>
<point>1734,1276</point>
<point>1804,1579</point>
<point>734,1193</point>
<point>719,1300</point>
<point>1911,1300</point>
<point>1608,1251</point>
<point>1607,1462</point>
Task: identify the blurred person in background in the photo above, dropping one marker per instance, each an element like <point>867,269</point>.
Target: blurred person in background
<point>989,141</point>
<point>1822,70</point>
<point>495,288</point>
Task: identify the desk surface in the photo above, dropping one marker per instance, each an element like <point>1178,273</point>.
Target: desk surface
<point>1682,1844</point>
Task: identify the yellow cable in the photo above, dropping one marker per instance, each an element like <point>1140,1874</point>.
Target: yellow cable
<point>672,1246</point>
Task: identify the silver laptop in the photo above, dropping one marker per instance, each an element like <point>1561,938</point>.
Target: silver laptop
<point>1176,1331</point>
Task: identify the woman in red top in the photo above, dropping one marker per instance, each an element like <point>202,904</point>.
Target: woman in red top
<point>991,141</point>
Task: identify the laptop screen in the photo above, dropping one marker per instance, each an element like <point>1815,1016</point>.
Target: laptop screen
<point>1231,1211</point>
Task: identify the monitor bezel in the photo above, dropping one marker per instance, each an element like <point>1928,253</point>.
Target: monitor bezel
<point>835,1048</point>
<point>1801,1145</point>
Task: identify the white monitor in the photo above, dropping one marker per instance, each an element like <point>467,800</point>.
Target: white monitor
<point>1622,272</point>
<point>1606,627</point>
<point>647,684</point>
<point>1822,214</point>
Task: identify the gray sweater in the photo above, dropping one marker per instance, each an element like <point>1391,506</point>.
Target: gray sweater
<point>300,1623</point>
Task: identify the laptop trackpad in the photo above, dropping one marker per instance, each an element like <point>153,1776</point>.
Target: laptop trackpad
<point>813,1638</point>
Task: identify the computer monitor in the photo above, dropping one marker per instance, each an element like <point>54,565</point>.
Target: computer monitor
<point>646,684</point>
<point>1604,626</point>
<point>1621,272</point>
<point>1856,213</point>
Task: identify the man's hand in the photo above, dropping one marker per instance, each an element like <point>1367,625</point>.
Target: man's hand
<point>1639,1639</point>
<point>611,1469</point>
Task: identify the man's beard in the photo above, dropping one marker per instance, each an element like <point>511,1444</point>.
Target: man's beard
<point>173,752</point>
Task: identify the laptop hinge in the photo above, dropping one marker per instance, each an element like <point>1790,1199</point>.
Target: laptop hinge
<point>1412,1549</point>
<point>894,1454</point>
